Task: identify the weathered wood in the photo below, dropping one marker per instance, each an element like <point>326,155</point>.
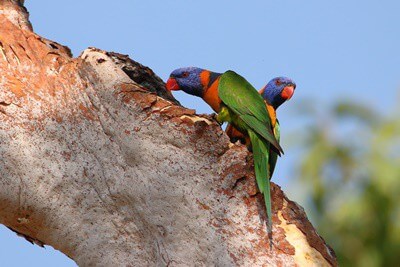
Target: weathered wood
<point>99,161</point>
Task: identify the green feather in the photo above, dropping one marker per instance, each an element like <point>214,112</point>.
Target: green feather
<point>248,105</point>
<point>244,107</point>
<point>260,156</point>
<point>273,156</point>
<point>260,160</point>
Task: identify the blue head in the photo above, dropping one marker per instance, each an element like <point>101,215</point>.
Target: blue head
<point>278,90</point>
<point>187,79</point>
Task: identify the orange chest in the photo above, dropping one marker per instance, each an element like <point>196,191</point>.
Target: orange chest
<point>272,114</point>
<point>211,97</point>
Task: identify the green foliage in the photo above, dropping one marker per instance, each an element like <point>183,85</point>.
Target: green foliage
<point>350,165</point>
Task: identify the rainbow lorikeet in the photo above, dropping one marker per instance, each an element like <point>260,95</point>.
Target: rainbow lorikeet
<point>237,102</point>
<point>275,93</point>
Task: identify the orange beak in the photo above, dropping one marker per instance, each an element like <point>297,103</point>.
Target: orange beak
<point>287,92</point>
<point>172,85</point>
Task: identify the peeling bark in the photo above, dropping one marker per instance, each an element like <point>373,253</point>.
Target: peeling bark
<point>99,161</point>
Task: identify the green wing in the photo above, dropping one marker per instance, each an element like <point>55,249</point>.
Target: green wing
<point>273,156</point>
<point>244,100</point>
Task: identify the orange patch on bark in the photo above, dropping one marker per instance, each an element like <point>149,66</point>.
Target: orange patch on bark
<point>87,113</point>
<point>15,86</point>
<point>203,206</point>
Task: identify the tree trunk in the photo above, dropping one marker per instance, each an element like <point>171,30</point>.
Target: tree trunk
<point>99,161</point>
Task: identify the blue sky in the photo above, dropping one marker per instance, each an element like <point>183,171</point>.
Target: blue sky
<point>332,49</point>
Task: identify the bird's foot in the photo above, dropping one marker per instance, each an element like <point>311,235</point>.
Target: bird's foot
<point>216,118</point>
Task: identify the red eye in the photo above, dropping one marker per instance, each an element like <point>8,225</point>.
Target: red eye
<point>185,74</point>
<point>278,82</point>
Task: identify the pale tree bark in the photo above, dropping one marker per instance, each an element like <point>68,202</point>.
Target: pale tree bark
<point>100,162</point>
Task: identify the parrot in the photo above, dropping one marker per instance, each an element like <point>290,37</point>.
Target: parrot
<point>237,102</point>
<point>275,93</point>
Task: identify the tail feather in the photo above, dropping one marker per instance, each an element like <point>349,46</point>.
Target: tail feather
<point>260,154</point>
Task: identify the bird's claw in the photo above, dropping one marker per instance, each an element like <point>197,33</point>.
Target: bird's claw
<point>215,117</point>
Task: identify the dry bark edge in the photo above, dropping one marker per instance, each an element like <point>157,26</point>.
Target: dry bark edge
<point>102,163</point>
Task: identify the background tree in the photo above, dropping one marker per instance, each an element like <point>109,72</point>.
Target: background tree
<point>350,170</point>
